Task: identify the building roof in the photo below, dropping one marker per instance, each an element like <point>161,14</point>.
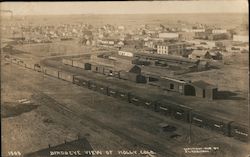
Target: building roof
<point>135,69</point>
<point>170,43</point>
<point>203,84</point>
<point>165,57</point>
<point>173,79</point>
<point>199,52</point>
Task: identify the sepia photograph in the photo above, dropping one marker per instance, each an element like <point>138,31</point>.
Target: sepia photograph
<point>125,78</point>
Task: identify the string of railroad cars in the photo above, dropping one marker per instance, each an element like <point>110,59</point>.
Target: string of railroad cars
<point>168,108</point>
<point>106,70</point>
<point>154,103</point>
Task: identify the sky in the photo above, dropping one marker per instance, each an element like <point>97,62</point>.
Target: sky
<point>126,7</point>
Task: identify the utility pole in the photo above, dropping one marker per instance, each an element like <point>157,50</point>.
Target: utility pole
<point>190,122</point>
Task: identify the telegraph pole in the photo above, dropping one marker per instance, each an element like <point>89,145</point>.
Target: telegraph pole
<point>190,122</point>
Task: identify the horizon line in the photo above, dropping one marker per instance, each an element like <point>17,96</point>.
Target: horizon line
<point>130,13</point>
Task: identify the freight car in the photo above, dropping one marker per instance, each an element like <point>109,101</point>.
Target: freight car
<point>138,100</point>
<point>118,93</point>
<point>97,68</point>
<point>81,81</point>
<point>177,111</point>
<point>163,108</point>
<point>37,67</point>
<point>181,112</point>
<point>110,71</point>
<point>78,64</point>
<point>239,131</point>
<point>67,62</point>
<point>21,63</point>
<point>51,72</point>
<point>29,66</point>
<point>87,66</point>
<point>99,87</point>
<point>216,124</point>
<point>65,76</point>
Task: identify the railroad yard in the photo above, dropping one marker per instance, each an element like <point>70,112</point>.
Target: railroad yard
<point>74,111</point>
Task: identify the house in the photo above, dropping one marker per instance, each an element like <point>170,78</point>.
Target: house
<point>200,54</point>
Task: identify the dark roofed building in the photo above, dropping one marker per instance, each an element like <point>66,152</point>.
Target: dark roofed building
<point>135,69</point>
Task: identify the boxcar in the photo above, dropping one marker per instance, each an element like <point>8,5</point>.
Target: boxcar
<point>180,112</point>
<point>118,93</point>
<point>97,68</point>
<point>217,124</point>
<point>87,66</point>
<point>108,71</point>
<point>163,107</point>
<point>81,81</point>
<point>51,72</point>
<point>197,119</point>
<point>38,68</point>
<point>65,76</point>
<point>99,87</point>
<point>239,131</point>
<point>138,100</point>
<point>67,62</point>
<point>78,64</point>
<point>149,104</point>
<point>14,60</point>
<point>21,63</point>
<point>29,66</point>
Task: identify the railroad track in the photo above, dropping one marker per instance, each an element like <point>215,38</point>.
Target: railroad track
<point>61,108</point>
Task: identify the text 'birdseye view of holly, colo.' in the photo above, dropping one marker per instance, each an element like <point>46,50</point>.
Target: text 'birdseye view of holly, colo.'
<point>125,78</point>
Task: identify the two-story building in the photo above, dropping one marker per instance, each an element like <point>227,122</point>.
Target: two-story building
<point>176,48</point>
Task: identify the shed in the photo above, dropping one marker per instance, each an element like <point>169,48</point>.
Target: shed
<point>204,89</point>
<point>200,54</point>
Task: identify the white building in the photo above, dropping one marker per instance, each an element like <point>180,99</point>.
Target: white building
<point>169,35</point>
<point>125,53</point>
<point>193,30</point>
<point>241,38</point>
<point>219,31</point>
<point>121,27</point>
